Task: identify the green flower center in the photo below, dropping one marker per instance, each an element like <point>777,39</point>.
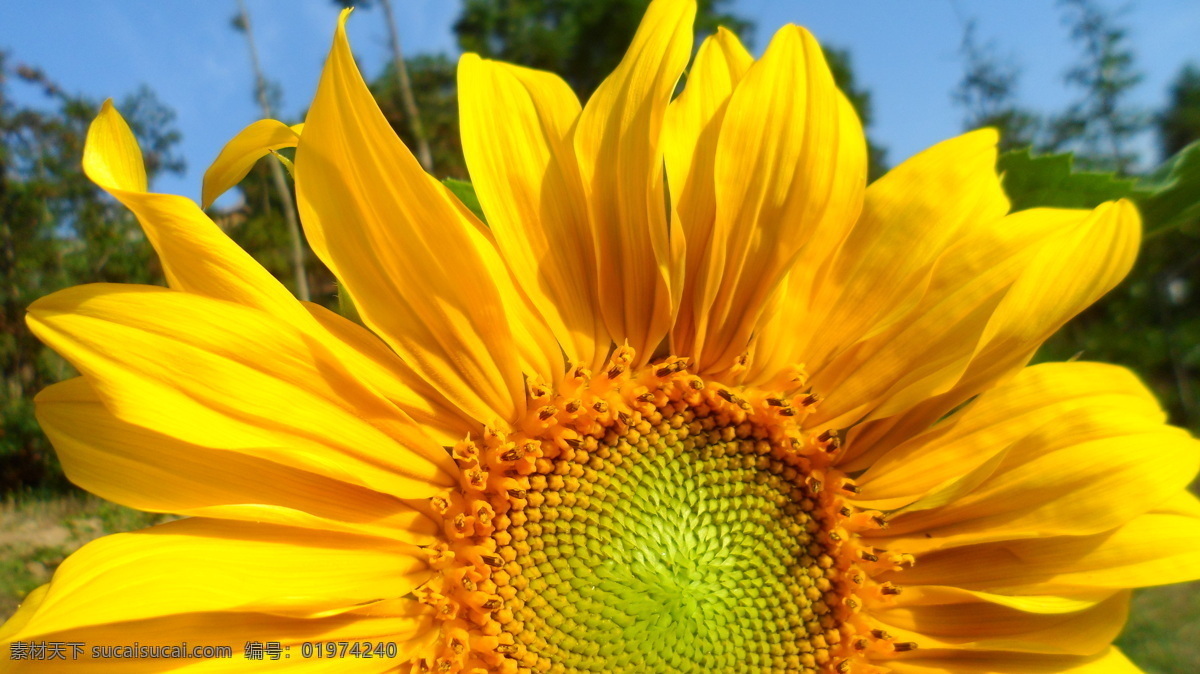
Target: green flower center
<point>647,521</point>
<point>687,547</point>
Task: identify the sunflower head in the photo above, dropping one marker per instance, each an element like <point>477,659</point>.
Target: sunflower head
<point>644,518</point>
<point>695,399</point>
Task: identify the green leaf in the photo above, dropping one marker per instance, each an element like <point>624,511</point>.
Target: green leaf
<point>1170,196</point>
<point>1047,180</point>
<point>465,192</point>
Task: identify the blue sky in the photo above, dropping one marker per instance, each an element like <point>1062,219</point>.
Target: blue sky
<point>904,52</point>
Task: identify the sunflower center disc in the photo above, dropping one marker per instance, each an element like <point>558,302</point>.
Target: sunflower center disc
<point>645,520</point>
<point>662,553</point>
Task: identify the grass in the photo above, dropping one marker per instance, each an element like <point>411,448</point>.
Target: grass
<point>38,531</point>
<point>1163,633</point>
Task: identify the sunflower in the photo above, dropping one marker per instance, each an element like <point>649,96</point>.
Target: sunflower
<point>695,398</point>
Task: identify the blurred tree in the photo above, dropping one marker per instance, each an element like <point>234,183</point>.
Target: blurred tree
<point>403,85</point>
<point>1100,126</point>
<point>57,229</point>
<point>1179,124</point>
<point>988,92</point>
<point>580,40</point>
<point>287,205</point>
<point>842,67</point>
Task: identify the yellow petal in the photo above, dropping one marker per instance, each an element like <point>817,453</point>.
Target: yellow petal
<point>426,276</point>
<point>998,419</point>
<point>1111,661</point>
<point>1102,249</point>
<point>992,299</point>
<point>617,141</point>
<point>516,134</point>
<point>198,257</point>
<point>691,127</point>
<point>790,170</point>
<point>689,140</point>
<point>690,134</point>
<point>1087,472</point>
<point>1060,281</point>
<point>910,217</point>
<point>1182,503</point>
<point>941,595</point>
<point>1049,292</point>
<point>142,469</point>
<point>968,478</point>
<point>227,377</point>
<point>242,151</point>
<point>371,362</point>
<point>1153,549</point>
<point>111,154</point>
<point>199,566</point>
<point>982,626</point>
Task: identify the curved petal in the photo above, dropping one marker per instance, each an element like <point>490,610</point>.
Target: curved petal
<point>618,145</point>
<point>1104,255</point>
<point>1111,661</point>
<point>1182,503</point>
<point>993,298</point>
<point>200,566</point>
<point>227,377</point>
<point>790,170</point>
<point>1088,472</point>
<point>941,595</point>
<point>371,362</point>
<point>1029,403</point>
<point>982,626</point>
<point>198,257</point>
<point>1057,285</point>
<point>1153,549</point>
<point>425,274</point>
<point>690,133</point>
<point>910,217</point>
<point>516,130</point>
<point>689,136</point>
<point>143,469</point>
<point>242,151</point>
